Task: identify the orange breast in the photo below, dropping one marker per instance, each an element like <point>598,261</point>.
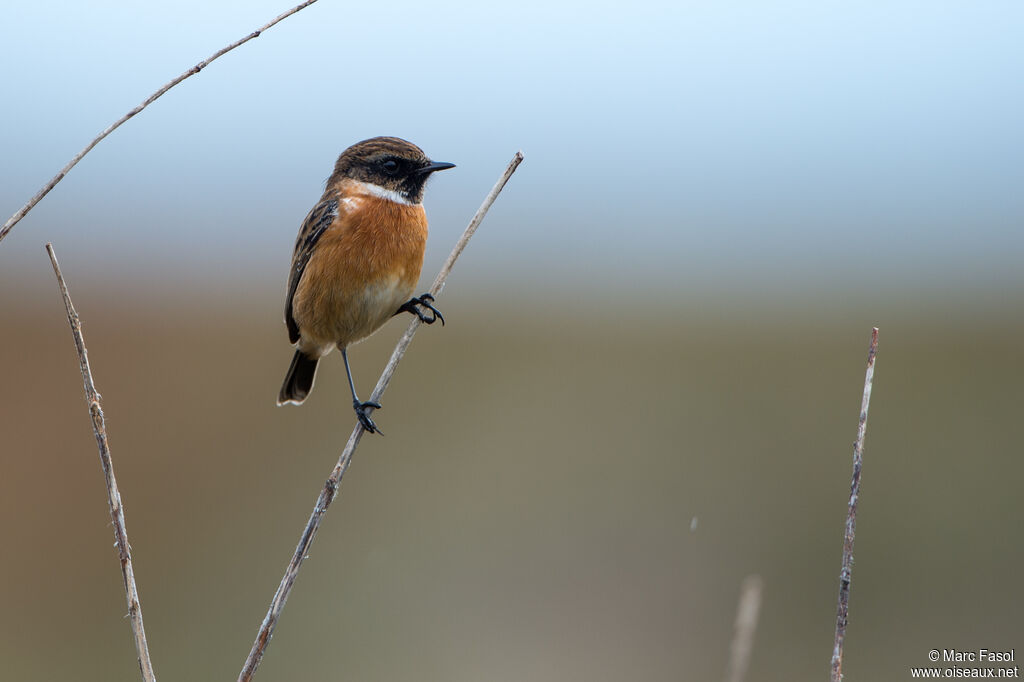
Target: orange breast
<point>363,268</point>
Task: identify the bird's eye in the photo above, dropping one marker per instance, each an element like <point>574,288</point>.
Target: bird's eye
<point>389,166</point>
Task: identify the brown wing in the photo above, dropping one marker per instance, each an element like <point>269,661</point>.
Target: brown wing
<point>318,220</point>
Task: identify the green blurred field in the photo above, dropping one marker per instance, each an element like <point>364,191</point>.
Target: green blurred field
<point>528,514</point>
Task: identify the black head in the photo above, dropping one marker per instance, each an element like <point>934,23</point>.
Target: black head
<point>388,162</point>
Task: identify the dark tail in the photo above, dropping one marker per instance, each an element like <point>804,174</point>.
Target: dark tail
<point>299,380</point>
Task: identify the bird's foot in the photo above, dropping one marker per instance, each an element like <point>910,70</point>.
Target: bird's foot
<point>412,306</point>
<point>364,416</point>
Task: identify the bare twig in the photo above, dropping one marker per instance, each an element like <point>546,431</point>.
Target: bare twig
<point>99,428</point>
<point>846,572</point>
<point>23,211</point>
<point>746,628</point>
<point>330,488</point>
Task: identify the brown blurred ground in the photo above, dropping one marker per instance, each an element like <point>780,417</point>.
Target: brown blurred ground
<point>528,514</point>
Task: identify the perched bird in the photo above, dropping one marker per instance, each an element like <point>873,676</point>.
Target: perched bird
<point>357,259</point>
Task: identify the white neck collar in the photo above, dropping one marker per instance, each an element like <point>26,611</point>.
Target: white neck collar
<point>383,193</point>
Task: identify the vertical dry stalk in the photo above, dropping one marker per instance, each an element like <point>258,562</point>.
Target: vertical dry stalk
<point>746,627</point>
<point>845,574</point>
<point>330,489</point>
<point>23,211</point>
<point>99,429</point>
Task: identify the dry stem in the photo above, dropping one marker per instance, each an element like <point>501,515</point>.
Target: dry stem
<point>99,429</point>
<point>23,211</point>
<point>330,488</point>
<point>845,574</point>
<point>746,627</point>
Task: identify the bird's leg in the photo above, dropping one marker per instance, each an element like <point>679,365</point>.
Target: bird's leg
<point>360,407</point>
<point>411,306</point>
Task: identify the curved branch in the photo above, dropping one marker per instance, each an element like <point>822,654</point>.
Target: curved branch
<point>23,211</point>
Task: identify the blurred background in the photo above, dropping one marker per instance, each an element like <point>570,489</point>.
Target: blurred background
<point>649,383</point>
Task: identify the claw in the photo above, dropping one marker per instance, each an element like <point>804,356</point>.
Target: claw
<point>425,300</point>
<point>364,417</point>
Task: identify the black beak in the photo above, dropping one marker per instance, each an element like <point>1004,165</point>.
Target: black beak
<point>434,166</point>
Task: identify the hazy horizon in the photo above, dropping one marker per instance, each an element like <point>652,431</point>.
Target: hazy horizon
<point>733,145</point>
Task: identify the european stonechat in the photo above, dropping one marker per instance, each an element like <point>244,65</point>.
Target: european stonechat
<point>357,260</point>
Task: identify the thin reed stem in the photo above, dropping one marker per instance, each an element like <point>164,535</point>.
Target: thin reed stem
<point>846,572</point>
<point>746,627</point>
<point>99,429</point>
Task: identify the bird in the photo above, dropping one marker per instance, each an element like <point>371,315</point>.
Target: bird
<point>357,260</point>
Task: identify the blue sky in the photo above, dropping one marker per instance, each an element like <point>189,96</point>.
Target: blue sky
<point>785,145</point>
